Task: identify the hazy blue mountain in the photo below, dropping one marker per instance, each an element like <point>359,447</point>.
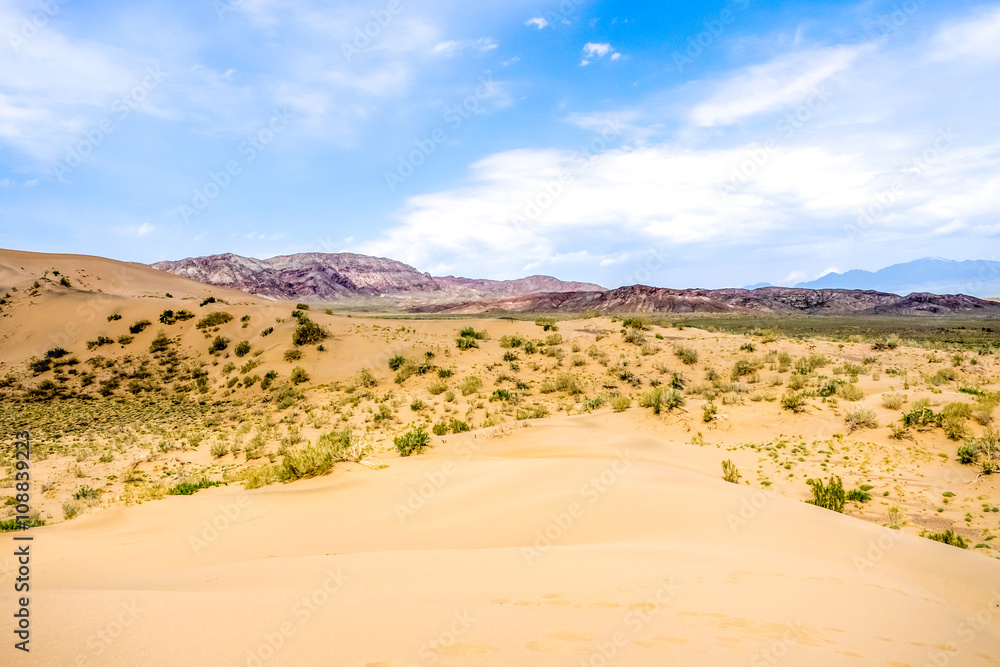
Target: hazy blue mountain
<point>980,278</point>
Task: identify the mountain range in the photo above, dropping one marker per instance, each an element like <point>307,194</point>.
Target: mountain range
<point>359,279</point>
<point>979,278</point>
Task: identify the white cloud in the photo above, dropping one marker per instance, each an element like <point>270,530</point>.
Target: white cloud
<point>144,229</point>
<point>592,49</point>
<point>976,39</point>
<point>537,21</point>
<point>763,88</point>
<point>453,48</point>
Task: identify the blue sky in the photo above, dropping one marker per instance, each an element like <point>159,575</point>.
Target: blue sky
<point>678,144</point>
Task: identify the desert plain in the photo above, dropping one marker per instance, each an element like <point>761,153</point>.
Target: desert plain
<point>219,478</point>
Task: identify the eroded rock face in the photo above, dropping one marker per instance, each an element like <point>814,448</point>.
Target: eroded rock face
<point>338,275</point>
<point>773,300</point>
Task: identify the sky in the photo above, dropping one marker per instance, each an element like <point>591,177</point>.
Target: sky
<point>678,144</point>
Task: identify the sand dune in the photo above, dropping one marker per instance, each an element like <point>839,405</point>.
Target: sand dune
<point>569,542</point>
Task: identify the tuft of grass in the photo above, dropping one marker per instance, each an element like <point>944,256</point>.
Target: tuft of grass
<point>413,441</point>
<point>687,355</point>
<point>829,496</point>
<point>730,472</point>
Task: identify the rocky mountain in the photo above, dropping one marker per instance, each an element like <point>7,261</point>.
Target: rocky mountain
<point>940,276</point>
<point>323,276</point>
<point>772,300</point>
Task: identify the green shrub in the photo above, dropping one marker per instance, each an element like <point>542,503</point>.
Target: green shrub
<point>948,537</point>
<point>139,327</point>
<point>620,403</point>
<point>687,355</point>
<point>547,323</point>
<point>213,320</point>
<point>412,442</point>
<point>469,332</point>
<point>744,367</point>
<point>858,495</point>
<point>921,418</point>
<point>794,401</point>
<point>56,353</point>
<point>207,300</point>
<point>466,343</point>
<point>893,400</point>
<point>470,385</point>
<point>299,375</point>
<point>188,488</point>
<point>292,355</point>
<point>113,317</point>
<point>267,332</point>
<point>661,397</point>
<point>511,341</point>
<point>830,496</point>
<point>850,392</point>
<point>860,417</point>
<point>308,332</point>
<point>242,348</point>
<point>730,472</point>
<point>219,344</point>
<point>806,365</point>
<point>71,509</point>
<point>125,339</point>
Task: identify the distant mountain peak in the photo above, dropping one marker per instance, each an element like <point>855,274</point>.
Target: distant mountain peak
<point>936,275</point>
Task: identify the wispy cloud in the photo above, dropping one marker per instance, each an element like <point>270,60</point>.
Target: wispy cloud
<point>538,22</point>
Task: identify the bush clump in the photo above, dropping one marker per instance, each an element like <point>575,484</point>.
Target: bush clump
<point>213,320</point>
<point>308,332</point>
<point>413,441</point>
<point>687,355</point>
<point>830,496</point>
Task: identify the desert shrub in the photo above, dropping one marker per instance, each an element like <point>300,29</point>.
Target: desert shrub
<point>99,341</point>
<point>268,379</point>
<point>747,347</point>
<point>125,339</point>
<point>659,398</point>
<point>213,320</point>
<point>547,323</point>
<point>893,400</point>
<point>850,392</point>
<point>860,417</point>
<point>292,354</point>
<point>71,509</point>
<point>469,332</point>
<point>267,332</point>
<point>784,362</point>
<point>39,366</point>
<point>948,537</point>
<point>806,365</point>
<point>299,375</point>
<point>554,339</point>
<point>859,495</point>
<point>56,353</point>
<point>436,388</point>
<point>189,488</point>
<point>744,367</point>
<point>308,332</point>
<point>412,442</point>
<point>207,300</point>
<point>634,336</point>
<point>620,403</point>
<point>444,373</point>
<point>709,412</point>
<point>943,376</point>
<point>470,385</point>
<point>508,342</point>
<point>730,472</point>
<point>794,401</point>
<point>219,344</point>
<point>113,317</point>
<point>440,429</point>
<point>242,348</point>
<point>985,406</point>
<point>687,355</point>
<point>139,327</point>
<point>286,397</point>
<point>890,342</point>
<point>921,418</point>
<point>830,496</point>
<point>466,343</point>
<point>396,362</point>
